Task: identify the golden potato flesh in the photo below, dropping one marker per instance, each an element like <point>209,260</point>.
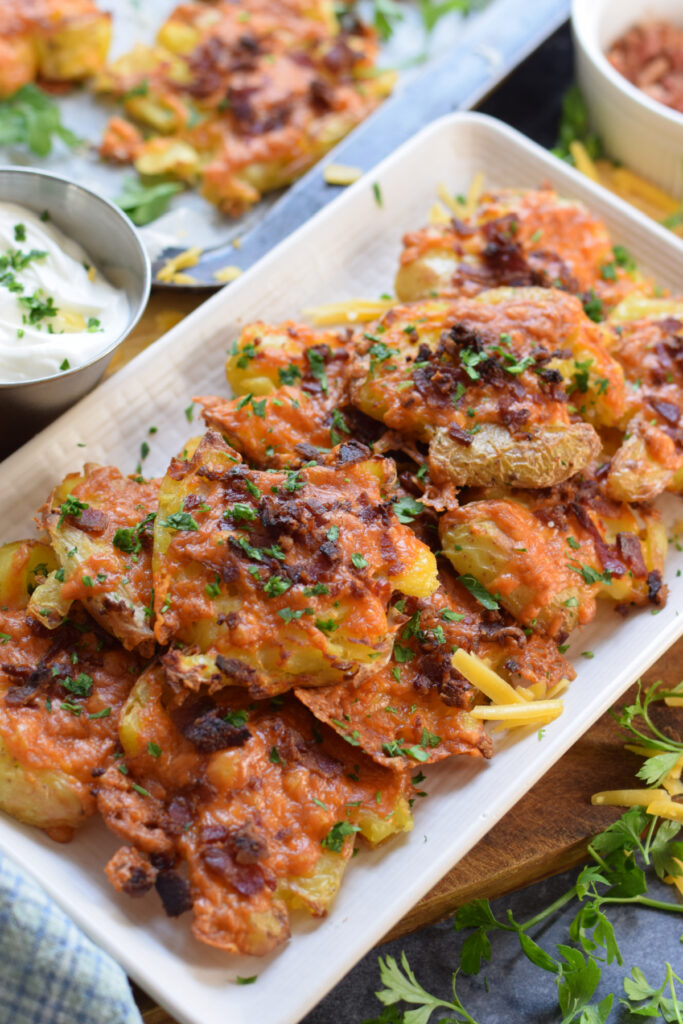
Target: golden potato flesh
<point>60,695</point>
<point>267,356</point>
<point>100,526</point>
<point>251,853</point>
<point>271,579</point>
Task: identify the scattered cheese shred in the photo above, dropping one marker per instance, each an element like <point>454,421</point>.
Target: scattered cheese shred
<point>485,679</point>
<point>627,797</point>
<point>583,161</point>
<point>637,748</point>
<point>473,193</point>
<point>536,713</point>
<point>558,688</point>
<point>227,274</point>
<point>665,807</point>
<point>674,702</point>
<point>341,174</point>
<point>352,311</point>
<point>188,258</point>
<point>180,278</point>
<point>438,214</point>
<point>448,201</point>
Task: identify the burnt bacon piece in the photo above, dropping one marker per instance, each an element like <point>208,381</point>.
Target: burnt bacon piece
<point>20,695</point>
<point>657,591</point>
<point>609,559</point>
<point>174,892</point>
<point>211,732</point>
<point>236,669</point>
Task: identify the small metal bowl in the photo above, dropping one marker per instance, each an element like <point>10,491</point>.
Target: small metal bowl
<point>113,244</point>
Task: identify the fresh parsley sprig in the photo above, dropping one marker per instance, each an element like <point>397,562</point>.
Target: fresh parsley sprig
<point>635,850</point>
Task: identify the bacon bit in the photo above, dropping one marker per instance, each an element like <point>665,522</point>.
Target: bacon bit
<point>174,892</point>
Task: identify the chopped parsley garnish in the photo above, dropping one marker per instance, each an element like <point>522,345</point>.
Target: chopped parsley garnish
<point>180,521</point>
<point>377,192</point>
<point>448,616</point>
<point>276,585</point>
<point>154,749</point>
<point>242,513</point>
<point>479,591</point>
<point>81,686</point>
<point>332,534</point>
<point>129,540</point>
<point>593,307</point>
<point>326,625</point>
<point>334,840</point>
<point>317,588</point>
<point>71,507</point>
<point>5,638</point>
<point>289,374</point>
<point>316,364</point>
<point>407,508</point>
<point>274,756</point>
<point>93,324</point>
<point>403,654</point>
<point>104,713</point>
<point>358,561</point>
<point>591,575</point>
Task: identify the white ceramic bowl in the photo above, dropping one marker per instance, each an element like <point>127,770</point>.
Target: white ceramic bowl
<point>638,131</point>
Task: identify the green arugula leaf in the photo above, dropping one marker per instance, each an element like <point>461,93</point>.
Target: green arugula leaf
<point>33,119</point>
<point>144,203</point>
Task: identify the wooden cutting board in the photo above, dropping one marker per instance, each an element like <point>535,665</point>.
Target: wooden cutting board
<point>548,830</point>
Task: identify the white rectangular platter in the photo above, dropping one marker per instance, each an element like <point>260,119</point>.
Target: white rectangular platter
<point>350,249</point>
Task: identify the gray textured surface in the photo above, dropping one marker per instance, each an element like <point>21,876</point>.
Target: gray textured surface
<point>518,993</point>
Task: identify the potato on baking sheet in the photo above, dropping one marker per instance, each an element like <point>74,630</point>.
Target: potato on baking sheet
<point>60,695</point>
<point>275,579</point>
<point>240,811</point>
<point>518,238</point>
<point>244,105</point>
<point>100,526</point>
<point>58,40</point>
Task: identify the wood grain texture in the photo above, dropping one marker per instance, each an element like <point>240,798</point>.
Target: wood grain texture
<point>548,830</point>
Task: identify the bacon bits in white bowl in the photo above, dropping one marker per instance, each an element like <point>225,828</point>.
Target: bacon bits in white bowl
<point>638,129</point>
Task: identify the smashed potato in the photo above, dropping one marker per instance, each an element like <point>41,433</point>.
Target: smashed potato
<point>100,526</point>
<point>60,695</point>
<point>281,578</point>
<point>240,855</point>
<point>518,238</point>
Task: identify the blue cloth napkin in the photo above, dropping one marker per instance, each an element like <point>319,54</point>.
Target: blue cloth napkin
<point>50,973</point>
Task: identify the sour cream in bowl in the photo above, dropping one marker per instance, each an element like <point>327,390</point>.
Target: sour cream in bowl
<point>74,281</point>
<point>57,311</point>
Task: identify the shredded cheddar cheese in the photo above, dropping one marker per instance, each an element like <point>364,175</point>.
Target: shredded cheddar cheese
<point>485,679</point>
<point>352,311</point>
<point>536,713</point>
<point>227,274</point>
<point>188,258</point>
<point>627,797</point>
<point>341,174</point>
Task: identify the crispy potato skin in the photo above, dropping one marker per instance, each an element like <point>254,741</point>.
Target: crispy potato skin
<point>541,457</point>
<point>285,577</point>
<point>515,238</point>
<point>251,852</point>
<point>60,40</point>
<point>245,105</point>
<point>114,584</point>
